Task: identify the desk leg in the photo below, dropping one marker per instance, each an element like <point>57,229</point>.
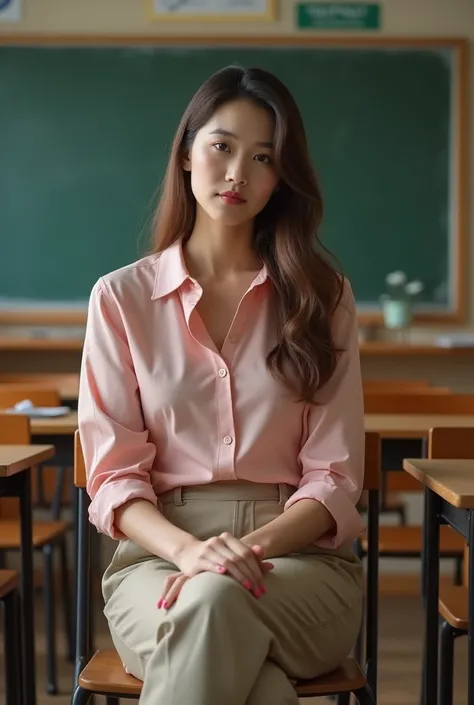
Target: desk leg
<point>27,588</point>
<point>470,668</point>
<point>430,674</point>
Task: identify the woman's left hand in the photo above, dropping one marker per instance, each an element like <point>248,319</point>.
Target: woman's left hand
<point>175,581</point>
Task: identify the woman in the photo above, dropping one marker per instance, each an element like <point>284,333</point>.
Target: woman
<point>220,413</point>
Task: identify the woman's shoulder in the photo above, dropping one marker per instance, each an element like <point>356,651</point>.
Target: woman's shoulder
<point>138,276</point>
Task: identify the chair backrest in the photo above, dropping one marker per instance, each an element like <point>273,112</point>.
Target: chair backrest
<point>419,403</point>
<point>372,474</point>
<point>451,443</point>
<point>80,478</point>
<point>11,394</point>
<point>66,384</point>
<point>14,430</point>
<point>372,479</point>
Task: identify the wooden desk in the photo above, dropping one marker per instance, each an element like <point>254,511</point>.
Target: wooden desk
<point>59,426</point>
<point>412,425</point>
<point>15,466</point>
<point>449,491</point>
<point>388,425</point>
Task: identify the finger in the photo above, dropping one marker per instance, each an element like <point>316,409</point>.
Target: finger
<point>247,559</point>
<point>169,581</point>
<point>230,561</point>
<point>172,594</point>
<point>267,567</point>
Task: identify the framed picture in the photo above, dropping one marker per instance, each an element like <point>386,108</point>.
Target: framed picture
<point>212,10</point>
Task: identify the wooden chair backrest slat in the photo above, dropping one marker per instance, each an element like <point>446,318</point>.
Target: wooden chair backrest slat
<point>11,394</point>
<point>451,443</point>
<point>372,461</point>
<point>420,403</point>
<point>80,478</point>
<point>14,430</point>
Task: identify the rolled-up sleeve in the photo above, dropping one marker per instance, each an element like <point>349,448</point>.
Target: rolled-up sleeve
<point>332,455</point>
<point>117,453</point>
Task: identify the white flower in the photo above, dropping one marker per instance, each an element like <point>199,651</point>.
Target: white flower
<point>397,278</point>
<point>413,288</point>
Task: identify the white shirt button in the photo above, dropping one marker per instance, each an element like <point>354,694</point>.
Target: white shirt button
<point>227,440</point>
<point>222,373</point>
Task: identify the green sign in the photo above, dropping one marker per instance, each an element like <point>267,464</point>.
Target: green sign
<point>338,15</point>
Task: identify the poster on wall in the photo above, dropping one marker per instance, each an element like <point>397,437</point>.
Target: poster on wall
<point>208,10</point>
<point>10,10</point>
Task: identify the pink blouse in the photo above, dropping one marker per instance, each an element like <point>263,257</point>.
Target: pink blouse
<point>160,407</point>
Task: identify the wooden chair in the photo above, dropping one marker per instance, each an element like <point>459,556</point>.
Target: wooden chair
<point>9,596</point>
<point>451,443</point>
<point>47,536</point>
<point>103,672</point>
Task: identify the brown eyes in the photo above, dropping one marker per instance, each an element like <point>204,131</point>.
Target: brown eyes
<point>262,158</point>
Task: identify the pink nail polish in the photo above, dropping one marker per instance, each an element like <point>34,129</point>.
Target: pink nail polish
<point>247,585</point>
<point>165,605</point>
<point>257,592</point>
<point>160,603</point>
<point>262,589</point>
<point>221,569</point>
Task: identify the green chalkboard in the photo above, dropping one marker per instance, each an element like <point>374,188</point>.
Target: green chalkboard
<point>85,133</point>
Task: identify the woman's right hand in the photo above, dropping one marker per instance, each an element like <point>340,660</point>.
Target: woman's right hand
<point>226,554</point>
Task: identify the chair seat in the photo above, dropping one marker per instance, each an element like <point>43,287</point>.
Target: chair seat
<point>454,605</point>
<point>43,532</point>
<point>105,674</point>
<point>346,679</point>
<point>8,582</point>
<point>409,540</point>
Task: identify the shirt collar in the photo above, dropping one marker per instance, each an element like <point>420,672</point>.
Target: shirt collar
<point>171,272</point>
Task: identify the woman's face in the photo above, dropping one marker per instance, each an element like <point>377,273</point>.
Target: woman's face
<point>233,153</point>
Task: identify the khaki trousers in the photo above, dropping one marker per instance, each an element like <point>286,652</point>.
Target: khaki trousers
<point>218,644</point>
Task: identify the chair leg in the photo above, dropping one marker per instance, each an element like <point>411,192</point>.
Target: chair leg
<point>401,511</point>
<point>80,696</point>
<point>458,570</point>
<point>364,696</point>
<point>13,679</point>
<point>66,600</point>
<point>446,662</point>
<point>51,687</point>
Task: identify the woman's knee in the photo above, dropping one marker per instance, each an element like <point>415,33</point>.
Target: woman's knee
<point>213,591</point>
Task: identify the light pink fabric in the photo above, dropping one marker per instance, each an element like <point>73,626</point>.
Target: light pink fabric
<point>160,407</point>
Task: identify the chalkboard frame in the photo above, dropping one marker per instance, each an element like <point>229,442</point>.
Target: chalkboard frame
<point>457,46</point>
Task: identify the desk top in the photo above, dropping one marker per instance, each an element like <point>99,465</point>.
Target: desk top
<point>56,426</point>
<point>453,480</point>
<point>412,425</point>
<point>15,459</point>
<point>388,425</point>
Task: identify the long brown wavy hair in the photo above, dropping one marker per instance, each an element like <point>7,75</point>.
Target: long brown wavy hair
<point>285,235</point>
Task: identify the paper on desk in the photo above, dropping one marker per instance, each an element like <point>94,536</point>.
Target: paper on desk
<point>27,408</point>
